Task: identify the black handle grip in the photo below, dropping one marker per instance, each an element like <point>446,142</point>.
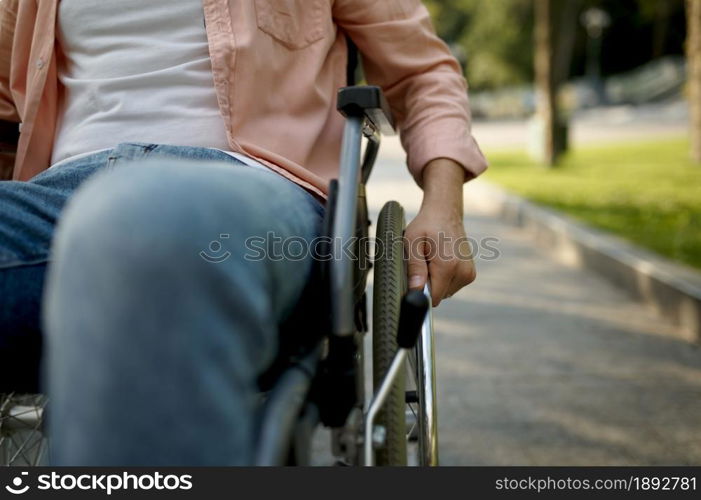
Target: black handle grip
<point>366,101</point>
<point>411,318</point>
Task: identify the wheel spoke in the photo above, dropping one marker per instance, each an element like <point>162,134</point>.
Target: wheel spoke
<point>21,421</point>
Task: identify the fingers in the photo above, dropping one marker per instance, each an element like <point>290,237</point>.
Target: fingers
<point>463,276</point>
<point>441,276</point>
<point>417,269</point>
<point>449,276</point>
<point>450,268</point>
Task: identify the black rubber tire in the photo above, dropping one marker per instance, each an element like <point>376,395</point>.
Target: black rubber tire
<point>389,287</point>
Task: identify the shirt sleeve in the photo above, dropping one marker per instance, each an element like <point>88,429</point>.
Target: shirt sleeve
<point>421,79</point>
<point>8,19</point>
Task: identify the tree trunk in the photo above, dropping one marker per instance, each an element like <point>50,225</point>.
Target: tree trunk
<point>566,17</point>
<point>693,50</point>
<point>546,92</point>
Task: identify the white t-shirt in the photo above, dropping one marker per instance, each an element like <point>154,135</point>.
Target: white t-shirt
<point>135,71</point>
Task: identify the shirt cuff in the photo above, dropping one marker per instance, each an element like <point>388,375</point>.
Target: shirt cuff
<point>463,150</point>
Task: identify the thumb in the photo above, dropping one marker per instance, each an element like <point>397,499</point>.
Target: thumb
<point>417,268</point>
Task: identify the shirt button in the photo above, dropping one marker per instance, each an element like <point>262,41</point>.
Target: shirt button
<point>40,63</point>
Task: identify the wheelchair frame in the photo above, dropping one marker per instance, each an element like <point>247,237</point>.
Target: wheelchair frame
<point>289,414</point>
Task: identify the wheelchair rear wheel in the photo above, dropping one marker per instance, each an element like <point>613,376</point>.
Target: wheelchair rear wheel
<point>389,287</point>
<point>23,441</point>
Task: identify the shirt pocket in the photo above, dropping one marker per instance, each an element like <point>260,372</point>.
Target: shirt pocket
<point>294,23</point>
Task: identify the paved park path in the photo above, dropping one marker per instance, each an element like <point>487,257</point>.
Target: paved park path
<point>541,364</point>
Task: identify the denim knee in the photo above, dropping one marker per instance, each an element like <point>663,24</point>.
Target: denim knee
<point>143,234</point>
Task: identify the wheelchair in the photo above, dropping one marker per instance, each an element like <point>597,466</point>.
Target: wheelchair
<point>326,382</point>
<point>320,380</point>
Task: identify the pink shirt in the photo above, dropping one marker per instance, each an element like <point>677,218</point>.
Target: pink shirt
<point>277,66</point>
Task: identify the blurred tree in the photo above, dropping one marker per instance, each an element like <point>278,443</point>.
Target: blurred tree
<point>693,50</point>
<point>496,37</point>
<point>545,79</point>
<point>566,18</point>
<point>554,23</point>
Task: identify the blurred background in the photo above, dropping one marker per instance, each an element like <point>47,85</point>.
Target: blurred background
<point>553,82</point>
<point>578,344</point>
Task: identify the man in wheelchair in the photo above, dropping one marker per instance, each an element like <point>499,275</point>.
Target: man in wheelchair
<point>158,139</point>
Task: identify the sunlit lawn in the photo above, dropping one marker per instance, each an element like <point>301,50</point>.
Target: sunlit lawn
<point>647,192</point>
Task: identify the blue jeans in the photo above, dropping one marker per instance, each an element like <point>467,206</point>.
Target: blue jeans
<point>157,320</point>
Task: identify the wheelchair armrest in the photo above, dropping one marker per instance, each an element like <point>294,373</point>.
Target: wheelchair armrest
<point>366,101</point>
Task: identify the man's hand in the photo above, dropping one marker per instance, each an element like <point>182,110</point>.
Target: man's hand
<point>438,246</point>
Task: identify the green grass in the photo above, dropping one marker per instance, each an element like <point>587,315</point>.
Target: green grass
<point>649,193</point>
